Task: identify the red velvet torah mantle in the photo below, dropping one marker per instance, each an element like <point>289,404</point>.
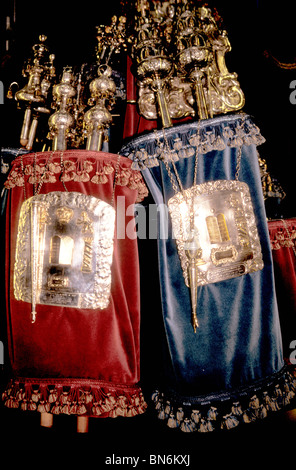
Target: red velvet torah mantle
<point>76,360</point>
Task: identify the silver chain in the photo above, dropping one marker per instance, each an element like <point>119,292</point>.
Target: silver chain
<point>23,175</point>
<point>238,163</point>
<point>114,183</point>
<point>62,170</point>
<point>189,201</point>
<point>37,191</point>
<point>177,177</point>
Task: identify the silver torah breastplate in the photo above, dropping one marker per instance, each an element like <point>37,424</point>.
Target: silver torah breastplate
<point>64,251</point>
<point>224,226</point>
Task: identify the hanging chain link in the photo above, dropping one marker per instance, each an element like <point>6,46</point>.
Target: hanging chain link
<point>189,200</point>
<point>238,163</point>
<point>37,189</point>
<point>23,175</point>
<point>175,177</point>
<point>169,151</point>
<point>164,160</point>
<point>62,171</point>
<point>114,182</point>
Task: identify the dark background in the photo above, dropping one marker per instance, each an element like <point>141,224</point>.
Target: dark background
<point>253,27</point>
<point>257,29</point>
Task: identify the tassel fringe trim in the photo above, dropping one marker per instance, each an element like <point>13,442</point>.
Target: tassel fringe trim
<point>282,234</point>
<point>186,140</point>
<point>74,397</point>
<point>208,416</point>
<point>70,166</point>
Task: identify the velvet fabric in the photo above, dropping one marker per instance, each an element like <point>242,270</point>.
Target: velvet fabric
<point>238,343</point>
<point>282,235</point>
<point>81,349</point>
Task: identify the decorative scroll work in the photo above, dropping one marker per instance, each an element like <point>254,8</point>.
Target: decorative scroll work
<point>226,232</point>
<point>68,259</point>
<point>186,140</point>
<point>178,52</point>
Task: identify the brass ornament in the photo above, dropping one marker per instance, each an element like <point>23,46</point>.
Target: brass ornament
<point>98,117</point>
<point>271,187</point>
<point>178,51</point>
<point>62,121</point>
<point>64,251</point>
<point>201,47</point>
<point>34,95</point>
<point>103,92</point>
<point>153,63</point>
<point>81,102</point>
<point>179,60</point>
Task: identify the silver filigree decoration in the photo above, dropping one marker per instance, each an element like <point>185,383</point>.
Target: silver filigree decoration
<point>64,251</point>
<point>224,227</point>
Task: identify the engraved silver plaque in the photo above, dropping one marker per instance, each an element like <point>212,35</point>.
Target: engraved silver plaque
<point>64,251</point>
<point>219,217</point>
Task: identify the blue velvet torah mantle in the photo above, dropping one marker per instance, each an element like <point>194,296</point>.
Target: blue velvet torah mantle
<point>231,370</point>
